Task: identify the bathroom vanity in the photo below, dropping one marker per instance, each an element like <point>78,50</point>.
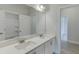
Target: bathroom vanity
<point>14,37</point>
<point>34,45</point>
<point>16,30</point>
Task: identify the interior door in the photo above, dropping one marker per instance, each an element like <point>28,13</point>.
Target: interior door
<point>25,25</point>
<point>64,28</point>
<point>12,25</point>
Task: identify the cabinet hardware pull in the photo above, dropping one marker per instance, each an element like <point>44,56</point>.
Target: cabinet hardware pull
<point>50,43</point>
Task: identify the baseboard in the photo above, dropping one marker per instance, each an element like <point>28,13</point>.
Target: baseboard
<point>74,42</point>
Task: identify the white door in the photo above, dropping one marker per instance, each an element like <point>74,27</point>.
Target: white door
<point>12,25</point>
<point>25,25</point>
<point>64,28</point>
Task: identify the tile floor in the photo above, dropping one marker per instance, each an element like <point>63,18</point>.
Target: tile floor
<point>69,48</point>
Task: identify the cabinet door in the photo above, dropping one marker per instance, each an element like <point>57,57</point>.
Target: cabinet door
<point>49,47</point>
<point>39,50</point>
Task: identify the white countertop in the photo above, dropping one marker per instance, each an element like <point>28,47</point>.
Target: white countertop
<point>11,49</point>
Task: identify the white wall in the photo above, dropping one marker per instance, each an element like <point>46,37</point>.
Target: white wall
<point>51,19</point>
<point>73,27</point>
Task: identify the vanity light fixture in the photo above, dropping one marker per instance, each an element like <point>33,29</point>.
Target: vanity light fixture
<point>40,7</point>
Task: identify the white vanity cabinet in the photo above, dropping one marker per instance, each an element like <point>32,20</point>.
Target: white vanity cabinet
<point>38,50</point>
<point>49,46</point>
<point>46,48</point>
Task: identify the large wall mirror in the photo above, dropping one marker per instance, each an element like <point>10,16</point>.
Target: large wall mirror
<point>21,20</point>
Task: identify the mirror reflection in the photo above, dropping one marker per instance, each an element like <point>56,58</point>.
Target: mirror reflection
<point>21,20</point>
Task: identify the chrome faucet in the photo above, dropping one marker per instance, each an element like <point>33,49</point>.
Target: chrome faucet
<point>21,41</point>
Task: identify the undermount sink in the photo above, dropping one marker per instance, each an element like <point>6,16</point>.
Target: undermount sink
<point>24,44</point>
<point>20,38</point>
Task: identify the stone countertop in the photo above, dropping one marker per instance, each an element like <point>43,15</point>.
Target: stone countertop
<point>37,41</point>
